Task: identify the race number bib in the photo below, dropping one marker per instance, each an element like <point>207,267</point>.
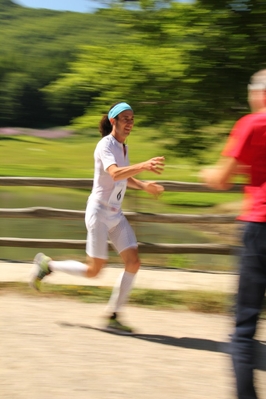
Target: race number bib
<point>117,194</point>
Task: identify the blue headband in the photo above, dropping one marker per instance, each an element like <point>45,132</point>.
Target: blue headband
<point>117,109</point>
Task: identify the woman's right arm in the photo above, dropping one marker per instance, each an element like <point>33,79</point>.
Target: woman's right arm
<point>155,165</point>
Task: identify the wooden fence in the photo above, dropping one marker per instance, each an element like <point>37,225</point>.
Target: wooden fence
<point>158,248</point>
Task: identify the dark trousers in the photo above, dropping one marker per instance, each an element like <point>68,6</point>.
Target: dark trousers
<point>251,290</point>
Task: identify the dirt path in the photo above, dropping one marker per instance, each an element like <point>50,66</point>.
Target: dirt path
<point>157,279</point>
<point>48,351</point>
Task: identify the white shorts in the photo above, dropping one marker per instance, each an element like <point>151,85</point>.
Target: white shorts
<point>103,224</point>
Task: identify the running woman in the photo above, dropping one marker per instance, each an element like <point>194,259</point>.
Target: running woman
<point>104,218</point>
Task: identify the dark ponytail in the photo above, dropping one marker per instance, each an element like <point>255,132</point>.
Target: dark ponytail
<point>105,126</point>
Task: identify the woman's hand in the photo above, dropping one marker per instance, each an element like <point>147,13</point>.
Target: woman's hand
<point>155,165</point>
<point>153,188</point>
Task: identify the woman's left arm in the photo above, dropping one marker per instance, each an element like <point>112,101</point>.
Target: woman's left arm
<point>148,186</point>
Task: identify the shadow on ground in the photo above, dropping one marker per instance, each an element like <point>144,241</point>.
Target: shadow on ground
<point>185,342</point>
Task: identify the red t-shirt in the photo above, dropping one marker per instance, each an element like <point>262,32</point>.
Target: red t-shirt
<point>247,144</point>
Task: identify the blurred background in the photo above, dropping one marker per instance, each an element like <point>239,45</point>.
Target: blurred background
<point>183,66</point>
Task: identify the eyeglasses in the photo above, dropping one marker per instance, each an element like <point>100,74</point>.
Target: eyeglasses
<point>256,86</point>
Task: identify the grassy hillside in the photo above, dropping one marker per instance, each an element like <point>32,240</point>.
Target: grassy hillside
<point>36,48</point>
<point>72,157</point>
<point>39,32</point>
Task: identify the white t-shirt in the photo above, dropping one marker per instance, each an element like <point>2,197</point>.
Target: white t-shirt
<point>109,152</point>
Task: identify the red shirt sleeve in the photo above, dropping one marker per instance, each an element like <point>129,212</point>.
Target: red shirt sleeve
<point>238,145</point>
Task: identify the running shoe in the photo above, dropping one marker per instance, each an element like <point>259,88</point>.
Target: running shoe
<point>115,326</point>
<point>39,270</point>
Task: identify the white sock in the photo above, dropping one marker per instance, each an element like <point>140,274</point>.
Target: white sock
<point>120,292</point>
<point>68,266</point>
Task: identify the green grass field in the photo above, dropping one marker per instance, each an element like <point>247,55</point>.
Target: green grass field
<point>28,156</point>
<point>72,157</point>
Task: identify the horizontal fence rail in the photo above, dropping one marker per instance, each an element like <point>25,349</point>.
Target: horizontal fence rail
<point>145,248</point>
<point>173,186</point>
<point>53,213</point>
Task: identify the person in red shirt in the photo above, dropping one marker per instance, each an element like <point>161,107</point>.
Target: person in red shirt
<point>246,147</point>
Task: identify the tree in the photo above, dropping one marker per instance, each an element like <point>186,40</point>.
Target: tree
<point>223,44</point>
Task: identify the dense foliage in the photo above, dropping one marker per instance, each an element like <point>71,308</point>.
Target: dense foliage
<point>183,67</point>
